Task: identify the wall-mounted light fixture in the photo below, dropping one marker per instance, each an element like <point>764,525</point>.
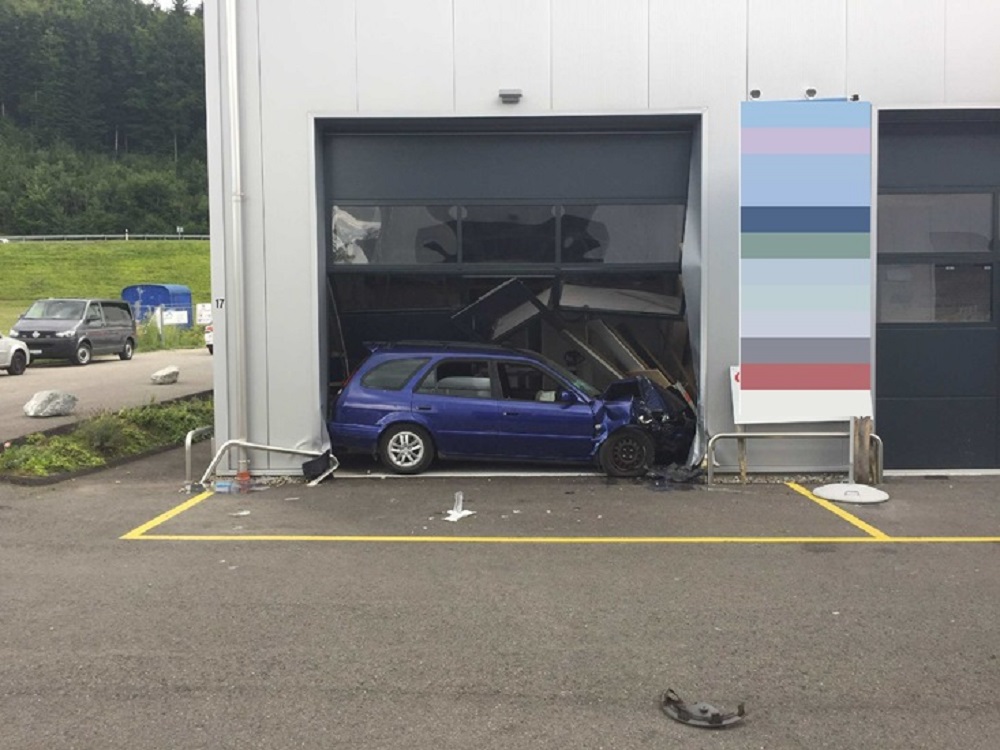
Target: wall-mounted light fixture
<point>510,96</point>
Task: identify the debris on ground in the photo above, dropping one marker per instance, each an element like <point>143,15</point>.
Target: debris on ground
<point>674,477</point>
<point>458,512</point>
<point>703,715</point>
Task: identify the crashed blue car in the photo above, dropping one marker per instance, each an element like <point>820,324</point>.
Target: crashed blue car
<point>413,401</point>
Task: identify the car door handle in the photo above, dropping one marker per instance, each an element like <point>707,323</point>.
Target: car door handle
<point>512,413</point>
<point>425,408</point>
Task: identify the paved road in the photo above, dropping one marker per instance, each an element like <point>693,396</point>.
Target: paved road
<point>226,643</point>
<point>106,383</point>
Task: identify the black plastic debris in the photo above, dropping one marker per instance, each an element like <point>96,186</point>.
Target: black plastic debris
<point>703,715</point>
<point>674,477</point>
<point>315,470</point>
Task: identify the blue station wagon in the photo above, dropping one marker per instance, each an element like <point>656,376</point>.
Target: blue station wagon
<point>412,401</point>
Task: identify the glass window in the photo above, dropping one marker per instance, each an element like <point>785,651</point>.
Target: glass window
<point>394,235</point>
<point>935,293</point>
<point>508,234</point>
<point>622,234</point>
<point>392,375</point>
<point>466,378</point>
<point>522,382</point>
<point>94,313</point>
<point>59,309</point>
<point>935,223</point>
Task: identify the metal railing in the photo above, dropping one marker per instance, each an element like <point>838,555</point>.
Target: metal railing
<point>875,440</point>
<point>92,237</point>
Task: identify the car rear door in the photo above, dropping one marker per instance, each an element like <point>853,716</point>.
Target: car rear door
<point>456,400</point>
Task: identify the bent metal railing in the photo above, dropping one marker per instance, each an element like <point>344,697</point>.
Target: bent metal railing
<point>710,451</point>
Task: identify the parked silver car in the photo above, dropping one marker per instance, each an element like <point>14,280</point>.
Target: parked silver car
<point>14,356</point>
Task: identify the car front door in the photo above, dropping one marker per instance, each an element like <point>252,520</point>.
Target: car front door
<point>534,422</point>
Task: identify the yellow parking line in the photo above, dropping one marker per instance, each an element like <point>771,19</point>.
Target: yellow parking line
<point>851,519</point>
<point>568,540</point>
<point>138,533</point>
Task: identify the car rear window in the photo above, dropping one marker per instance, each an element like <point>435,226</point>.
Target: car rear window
<point>392,375</point>
<point>116,314</point>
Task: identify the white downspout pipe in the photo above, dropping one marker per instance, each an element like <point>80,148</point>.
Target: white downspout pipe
<point>236,316</point>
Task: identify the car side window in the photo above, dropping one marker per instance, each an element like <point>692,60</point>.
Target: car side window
<point>465,378</point>
<point>115,315</point>
<point>393,374</point>
<point>94,313</point>
<point>524,382</point>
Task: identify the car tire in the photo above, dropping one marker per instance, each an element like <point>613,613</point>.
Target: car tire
<point>18,364</point>
<point>127,351</point>
<point>83,354</point>
<point>406,449</point>
<point>628,452</point>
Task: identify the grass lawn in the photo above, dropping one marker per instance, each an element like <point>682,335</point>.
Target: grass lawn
<point>32,270</point>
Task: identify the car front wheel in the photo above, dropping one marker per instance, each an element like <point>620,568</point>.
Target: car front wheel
<point>18,364</point>
<point>83,354</point>
<point>627,453</point>
<point>406,449</point>
<point>127,351</point>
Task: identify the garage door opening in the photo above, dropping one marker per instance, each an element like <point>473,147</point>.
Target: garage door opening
<point>564,236</point>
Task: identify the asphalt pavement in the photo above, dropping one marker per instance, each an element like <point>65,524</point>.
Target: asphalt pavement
<point>105,383</point>
<point>354,615</point>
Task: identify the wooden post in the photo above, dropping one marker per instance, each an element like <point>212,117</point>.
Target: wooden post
<point>742,453</point>
<point>862,453</point>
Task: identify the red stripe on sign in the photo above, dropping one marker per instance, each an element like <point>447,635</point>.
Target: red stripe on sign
<point>813,377</point>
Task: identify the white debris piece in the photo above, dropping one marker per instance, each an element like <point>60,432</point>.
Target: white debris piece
<point>457,513</point>
<point>50,404</point>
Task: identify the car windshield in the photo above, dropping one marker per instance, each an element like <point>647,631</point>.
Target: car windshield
<point>56,309</point>
<point>579,383</point>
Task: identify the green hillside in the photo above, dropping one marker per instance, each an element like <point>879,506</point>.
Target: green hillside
<point>31,270</point>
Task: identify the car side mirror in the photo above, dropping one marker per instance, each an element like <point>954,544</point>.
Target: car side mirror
<point>568,397</point>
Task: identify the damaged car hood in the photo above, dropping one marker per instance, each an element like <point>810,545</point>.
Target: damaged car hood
<point>663,412</point>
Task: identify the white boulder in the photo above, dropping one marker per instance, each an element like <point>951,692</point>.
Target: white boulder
<point>166,376</point>
<point>50,404</point>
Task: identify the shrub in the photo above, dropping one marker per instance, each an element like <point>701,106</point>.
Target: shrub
<point>107,436</point>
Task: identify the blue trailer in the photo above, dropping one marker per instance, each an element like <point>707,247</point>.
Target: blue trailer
<point>175,299</point>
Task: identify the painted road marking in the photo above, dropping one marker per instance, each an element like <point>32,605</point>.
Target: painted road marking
<point>874,536</point>
<point>138,533</point>
<point>849,517</point>
<point>570,540</point>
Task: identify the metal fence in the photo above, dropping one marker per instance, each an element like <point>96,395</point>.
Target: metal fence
<point>104,237</point>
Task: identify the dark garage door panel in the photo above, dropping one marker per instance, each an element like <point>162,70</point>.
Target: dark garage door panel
<point>421,167</point>
<point>941,361</point>
<point>929,433</point>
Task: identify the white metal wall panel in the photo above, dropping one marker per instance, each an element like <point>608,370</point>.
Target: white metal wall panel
<point>972,52</point>
<point>405,56</point>
<point>796,45</point>
<point>502,44</point>
<point>690,70</point>
<point>316,73</point>
<point>895,51</point>
<point>308,56</point>
<point>600,55</point>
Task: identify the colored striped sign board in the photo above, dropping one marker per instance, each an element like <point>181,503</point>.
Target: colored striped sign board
<point>806,299</point>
